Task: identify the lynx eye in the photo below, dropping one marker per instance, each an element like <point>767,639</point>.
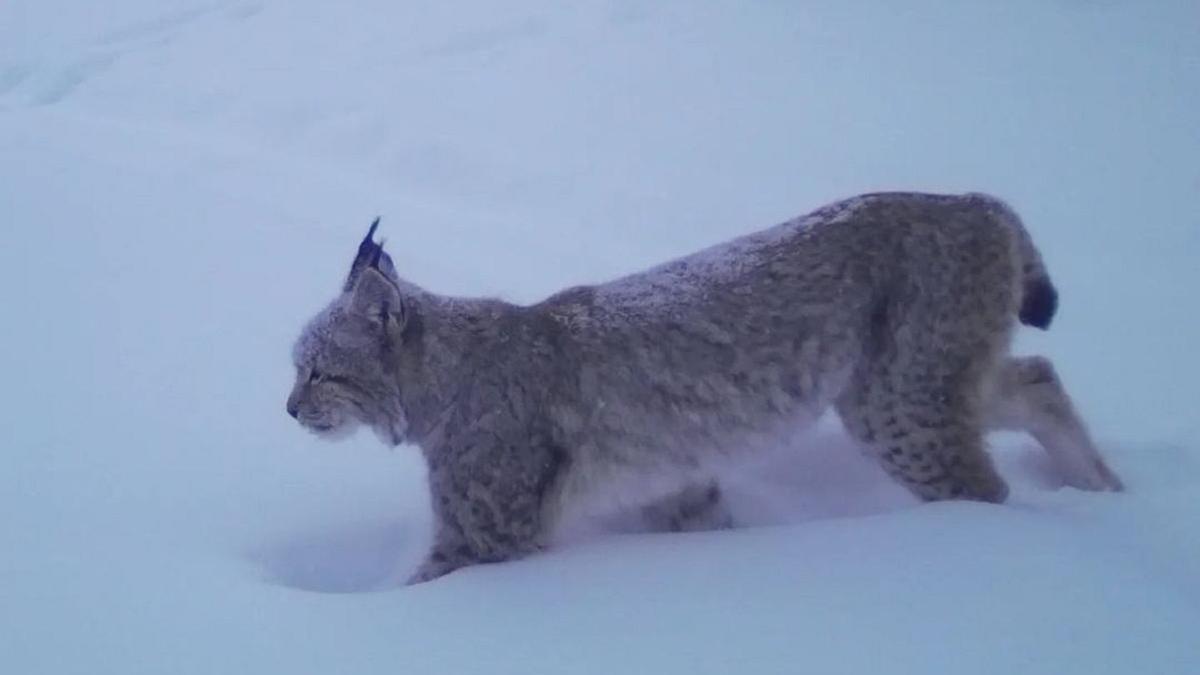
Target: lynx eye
<point>315,376</point>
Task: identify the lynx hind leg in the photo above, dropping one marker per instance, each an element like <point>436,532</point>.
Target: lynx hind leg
<point>926,443</point>
<point>697,507</point>
<point>917,411</point>
<point>1030,397</point>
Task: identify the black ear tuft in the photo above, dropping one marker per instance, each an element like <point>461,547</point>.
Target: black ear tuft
<point>369,254</point>
<point>378,253</point>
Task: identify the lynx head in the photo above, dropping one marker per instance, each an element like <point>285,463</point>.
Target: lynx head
<point>346,356</point>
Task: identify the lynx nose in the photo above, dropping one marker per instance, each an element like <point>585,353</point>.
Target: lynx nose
<point>293,409</point>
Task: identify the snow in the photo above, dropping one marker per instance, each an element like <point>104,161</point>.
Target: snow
<point>183,183</point>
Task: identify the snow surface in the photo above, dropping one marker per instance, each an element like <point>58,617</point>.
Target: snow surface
<point>183,183</point>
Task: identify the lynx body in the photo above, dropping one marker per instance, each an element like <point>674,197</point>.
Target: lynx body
<point>896,309</point>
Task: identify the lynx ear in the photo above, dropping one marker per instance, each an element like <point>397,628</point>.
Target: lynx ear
<point>369,254</point>
<point>378,299</point>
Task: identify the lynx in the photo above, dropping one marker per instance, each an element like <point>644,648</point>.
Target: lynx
<point>894,309</point>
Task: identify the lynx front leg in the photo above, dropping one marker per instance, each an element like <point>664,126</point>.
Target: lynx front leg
<point>493,501</point>
<point>479,526</point>
<point>450,552</point>
<point>1030,397</point>
<point>697,507</point>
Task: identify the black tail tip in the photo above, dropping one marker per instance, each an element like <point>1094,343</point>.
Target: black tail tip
<point>1039,304</point>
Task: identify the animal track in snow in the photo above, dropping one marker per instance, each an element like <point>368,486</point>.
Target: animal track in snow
<point>357,558</point>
